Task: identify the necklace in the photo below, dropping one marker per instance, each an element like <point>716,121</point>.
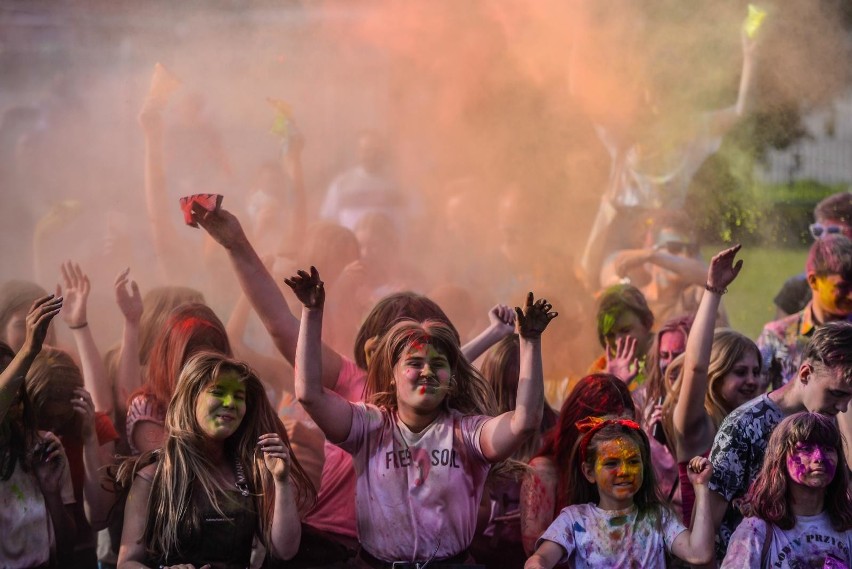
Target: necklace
<point>242,483</point>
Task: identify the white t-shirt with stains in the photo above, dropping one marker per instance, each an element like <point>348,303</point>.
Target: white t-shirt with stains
<point>812,542</point>
<point>27,538</point>
<point>417,494</point>
<point>592,537</point>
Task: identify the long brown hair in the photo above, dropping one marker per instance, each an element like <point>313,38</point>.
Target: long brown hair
<point>184,468</point>
<point>769,495</point>
<point>647,499</point>
<point>468,392</point>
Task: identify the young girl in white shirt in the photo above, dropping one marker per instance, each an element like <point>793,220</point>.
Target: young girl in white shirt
<point>801,510</point>
<point>617,519</point>
<point>425,441</point>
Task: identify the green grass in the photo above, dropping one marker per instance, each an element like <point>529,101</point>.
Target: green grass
<point>749,300</point>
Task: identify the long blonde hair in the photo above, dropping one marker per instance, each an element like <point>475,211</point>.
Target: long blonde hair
<point>184,467</point>
<point>729,347</point>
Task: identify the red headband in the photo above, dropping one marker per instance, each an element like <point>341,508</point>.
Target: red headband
<point>591,425</point>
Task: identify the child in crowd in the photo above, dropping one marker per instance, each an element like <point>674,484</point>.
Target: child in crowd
<point>189,329</point>
<point>62,406</point>
<point>545,490</point>
<point>36,496</point>
<point>801,510</point>
<point>721,370</point>
<point>424,444</point>
<point>617,518</point>
<point>224,476</point>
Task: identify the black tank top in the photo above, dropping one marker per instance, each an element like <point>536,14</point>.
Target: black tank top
<point>223,542</point>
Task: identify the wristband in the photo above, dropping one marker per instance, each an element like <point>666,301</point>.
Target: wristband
<point>719,291</point>
<point>78,326</point>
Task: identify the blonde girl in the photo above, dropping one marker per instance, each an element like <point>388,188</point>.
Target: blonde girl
<point>223,478</point>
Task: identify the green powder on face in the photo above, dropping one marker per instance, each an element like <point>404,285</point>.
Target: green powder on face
<point>607,323</point>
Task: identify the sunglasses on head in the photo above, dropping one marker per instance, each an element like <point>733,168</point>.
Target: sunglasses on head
<point>679,247</point>
<point>818,230</point>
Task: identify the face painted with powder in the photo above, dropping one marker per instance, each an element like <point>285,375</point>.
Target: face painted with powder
<point>833,293</point>
<point>422,376</point>
<point>812,465</point>
<point>221,406</point>
<point>617,472</point>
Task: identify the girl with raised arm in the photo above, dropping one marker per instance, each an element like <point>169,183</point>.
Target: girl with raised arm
<point>425,442</point>
<point>617,518</point>
<point>720,372</point>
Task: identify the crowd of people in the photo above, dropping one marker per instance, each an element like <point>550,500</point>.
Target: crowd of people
<point>303,392</point>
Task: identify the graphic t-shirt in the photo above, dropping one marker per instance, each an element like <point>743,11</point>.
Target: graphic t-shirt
<point>737,456</point>
<point>812,542</point>
<point>417,494</point>
<point>593,537</point>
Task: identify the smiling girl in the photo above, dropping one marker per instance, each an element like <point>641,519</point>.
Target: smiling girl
<point>617,519</point>
<point>426,440</point>
<point>719,371</point>
<point>223,478</point>
<point>801,510</point>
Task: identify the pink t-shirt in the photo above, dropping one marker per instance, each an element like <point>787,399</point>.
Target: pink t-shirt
<point>417,493</point>
<point>335,508</point>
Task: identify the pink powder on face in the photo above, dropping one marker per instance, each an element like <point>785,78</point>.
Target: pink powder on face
<point>812,465</point>
<point>422,389</point>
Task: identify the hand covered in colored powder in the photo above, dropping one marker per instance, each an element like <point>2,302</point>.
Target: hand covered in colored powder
<point>308,288</point>
<point>534,317</point>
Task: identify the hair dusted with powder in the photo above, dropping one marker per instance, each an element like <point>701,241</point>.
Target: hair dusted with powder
<point>656,386</point>
<point>831,346</point>
<point>769,495</point>
<point>390,310</point>
<point>190,328</point>
<point>596,395</point>
<point>184,468</point>
<point>617,300</point>
<point>831,255</point>
<point>647,499</point>
<point>157,304</point>
<point>468,392</point>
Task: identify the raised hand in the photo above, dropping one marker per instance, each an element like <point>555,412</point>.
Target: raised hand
<point>723,270</point>
<point>308,288</point>
<point>621,359</point>
<point>502,320</point>
<point>130,302</point>
<point>699,470</point>
<point>48,462</point>
<point>275,456</point>
<point>534,317</point>
<point>41,313</point>
<point>221,224</point>
<point>77,288</point>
